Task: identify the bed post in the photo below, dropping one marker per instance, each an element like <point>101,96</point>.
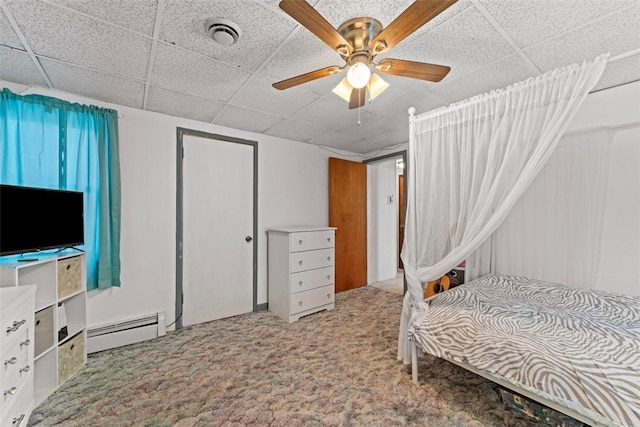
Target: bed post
<point>414,363</point>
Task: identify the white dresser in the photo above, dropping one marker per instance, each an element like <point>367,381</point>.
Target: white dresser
<point>16,347</point>
<point>301,271</point>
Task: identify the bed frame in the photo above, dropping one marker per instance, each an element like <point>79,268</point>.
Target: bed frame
<point>498,380</point>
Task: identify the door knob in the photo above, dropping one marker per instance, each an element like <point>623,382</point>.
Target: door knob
<point>248,238</point>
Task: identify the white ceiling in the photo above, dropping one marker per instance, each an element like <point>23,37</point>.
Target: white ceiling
<point>155,55</point>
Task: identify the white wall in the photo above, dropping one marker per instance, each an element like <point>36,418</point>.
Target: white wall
<point>619,265</point>
<point>382,221</point>
<point>292,190</point>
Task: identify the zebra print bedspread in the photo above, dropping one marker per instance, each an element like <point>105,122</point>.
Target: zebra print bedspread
<point>578,348</point>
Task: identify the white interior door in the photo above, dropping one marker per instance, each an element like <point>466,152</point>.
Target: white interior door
<point>217,264</point>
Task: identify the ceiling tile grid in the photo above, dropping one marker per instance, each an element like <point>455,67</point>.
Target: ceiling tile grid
<point>295,131</point>
<point>103,50</point>
<point>245,119</point>
<point>18,67</point>
<point>189,72</point>
<point>182,105</point>
<point>58,33</point>
<point>136,15</point>
<point>8,36</point>
<point>92,84</point>
<point>531,22</point>
<point>258,94</point>
<point>615,33</point>
<point>261,29</point>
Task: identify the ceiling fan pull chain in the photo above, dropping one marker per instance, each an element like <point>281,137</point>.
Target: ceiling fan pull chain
<point>359,108</point>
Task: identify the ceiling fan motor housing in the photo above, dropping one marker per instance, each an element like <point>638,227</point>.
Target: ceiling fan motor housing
<point>359,32</point>
<point>223,31</point>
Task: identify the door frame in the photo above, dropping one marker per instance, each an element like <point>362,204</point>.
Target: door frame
<point>180,133</point>
<point>397,154</point>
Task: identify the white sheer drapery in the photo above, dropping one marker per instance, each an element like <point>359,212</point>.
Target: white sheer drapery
<point>556,225</point>
<point>469,164</point>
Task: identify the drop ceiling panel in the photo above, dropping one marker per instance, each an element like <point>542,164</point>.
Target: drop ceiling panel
<point>620,72</point>
<point>335,139</point>
<point>377,142</point>
<point>245,119</point>
<point>337,12</point>
<point>618,33</point>
<point>465,43</point>
<point>136,15</point>
<point>261,30</point>
<point>325,113</point>
<point>194,74</point>
<point>531,22</point>
<point>295,131</point>
<point>399,112</point>
<point>182,105</point>
<point>258,94</point>
<point>299,55</point>
<point>18,67</point>
<point>8,36</point>
<point>58,33</point>
<point>497,75</point>
<point>370,125</point>
<point>92,84</point>
<point>398,90</point>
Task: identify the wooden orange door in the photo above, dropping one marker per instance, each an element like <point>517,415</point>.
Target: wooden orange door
<point>348,213</point>
<point>400,218</point>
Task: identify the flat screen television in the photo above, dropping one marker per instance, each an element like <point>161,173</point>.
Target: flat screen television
<point>34,219</point>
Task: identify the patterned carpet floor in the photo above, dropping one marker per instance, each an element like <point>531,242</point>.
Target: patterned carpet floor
<point>335,368</point>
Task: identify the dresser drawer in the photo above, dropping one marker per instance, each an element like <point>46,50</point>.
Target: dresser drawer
<point>69,276</point>
<point>311,299</point>
<point>302,261</point>
<point>16,408</point>
<point>15,317</point>
<point>70,357</point>
<point>15,360</point>
<point>43,331</point>
<point>303,281</point>
<point>310,240</point>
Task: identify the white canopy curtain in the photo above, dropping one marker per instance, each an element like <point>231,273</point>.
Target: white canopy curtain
<point>556,225</point>
<point>470,162</point>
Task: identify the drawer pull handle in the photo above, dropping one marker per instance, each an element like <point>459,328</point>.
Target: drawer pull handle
<point>25,369</point>
<point>300,283</point>
<point>299,242</point>
<point>328,258</point>
<point>300,262</point>
<point>328,277</point>
<point>68,266</point>
<point>11,391</point>
<point>17,421</point>
<point>300,303</point>
<point>329,296</point>
<point>11,361</point>
<point>16,326</point>
<point>26,342</point>
<point>328,239</point>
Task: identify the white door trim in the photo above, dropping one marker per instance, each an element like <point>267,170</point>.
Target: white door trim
<point>180,133</point>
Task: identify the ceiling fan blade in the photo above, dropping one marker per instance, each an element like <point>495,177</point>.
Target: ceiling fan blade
<point>357,98</point>
<point>307,77</point>
<point>308,17</point>
<point>415,16</point>
<point>415,70</point>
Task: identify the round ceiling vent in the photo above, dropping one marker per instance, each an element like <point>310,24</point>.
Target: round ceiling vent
<point>223,31</point>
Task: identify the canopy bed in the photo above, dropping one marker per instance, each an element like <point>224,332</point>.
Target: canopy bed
<point>576,351</point>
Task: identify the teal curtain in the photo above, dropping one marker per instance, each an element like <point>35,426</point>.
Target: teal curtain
<point>50,143</point>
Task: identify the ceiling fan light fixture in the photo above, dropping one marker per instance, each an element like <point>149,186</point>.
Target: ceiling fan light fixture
<point>343,90</point>
<point>358,75</point>
<point>376,86</point>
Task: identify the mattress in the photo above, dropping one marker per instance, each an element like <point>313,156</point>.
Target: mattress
<point>578,348</point>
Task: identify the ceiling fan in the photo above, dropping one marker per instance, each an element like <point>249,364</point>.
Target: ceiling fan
<point>358,41</point>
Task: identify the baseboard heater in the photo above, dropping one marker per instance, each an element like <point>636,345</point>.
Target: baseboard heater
<point>126,332</point>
